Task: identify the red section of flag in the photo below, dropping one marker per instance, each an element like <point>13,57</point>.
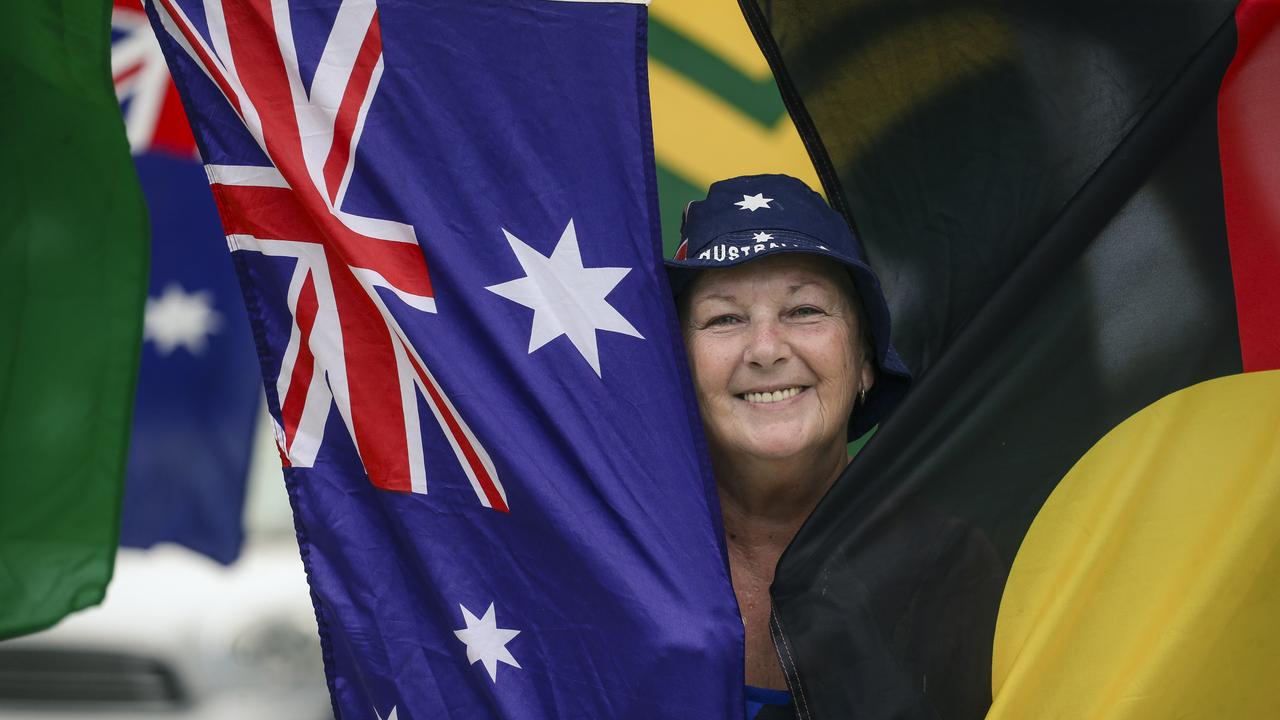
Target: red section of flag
<point>1249,143</point>
<point>304,367</point>
<point>277,213</point>
<point>352,102</point>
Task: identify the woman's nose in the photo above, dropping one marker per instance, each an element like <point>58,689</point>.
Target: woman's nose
<point>766,344</point>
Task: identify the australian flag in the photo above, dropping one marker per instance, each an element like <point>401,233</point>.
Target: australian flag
<point>197,400</point>
<point>444,220</point>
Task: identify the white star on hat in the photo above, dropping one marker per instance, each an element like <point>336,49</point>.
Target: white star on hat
<point>486,642</point>
<point>762,237</point>
<point>754,202</point>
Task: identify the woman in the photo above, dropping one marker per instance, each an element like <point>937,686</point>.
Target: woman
<point>787,334</point>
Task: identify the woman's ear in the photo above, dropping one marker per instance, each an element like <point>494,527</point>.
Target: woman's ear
<point>868,375</point>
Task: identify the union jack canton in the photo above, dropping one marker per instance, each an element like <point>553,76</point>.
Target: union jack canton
<point>444,221</point>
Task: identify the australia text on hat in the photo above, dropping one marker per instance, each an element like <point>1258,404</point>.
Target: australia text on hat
<point>728,253</point>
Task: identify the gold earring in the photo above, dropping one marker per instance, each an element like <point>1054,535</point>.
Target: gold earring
<point>862,396</point>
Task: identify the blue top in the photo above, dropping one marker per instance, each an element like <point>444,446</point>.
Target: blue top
<point>759,698</point>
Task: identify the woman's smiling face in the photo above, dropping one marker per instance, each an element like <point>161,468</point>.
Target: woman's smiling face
<point>775,351</point>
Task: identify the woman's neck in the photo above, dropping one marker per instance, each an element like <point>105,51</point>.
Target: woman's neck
<point>768,500</point>
<point>763,506</point>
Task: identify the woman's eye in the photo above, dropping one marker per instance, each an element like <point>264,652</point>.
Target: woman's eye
<point>805,311</point>
<point>722,321</point>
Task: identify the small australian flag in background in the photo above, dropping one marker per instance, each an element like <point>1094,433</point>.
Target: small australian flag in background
<point>198,391</point>
<point>444,218</point>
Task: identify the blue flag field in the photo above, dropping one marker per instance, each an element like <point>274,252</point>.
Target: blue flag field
<point>444,220</point>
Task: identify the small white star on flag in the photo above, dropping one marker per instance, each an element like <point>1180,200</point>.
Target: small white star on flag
<point>567,298</point>
<point>180,318</point>
<point>390,716</point>
<point>762,237</point>
<point>486,642</point>
<point>754,202</point>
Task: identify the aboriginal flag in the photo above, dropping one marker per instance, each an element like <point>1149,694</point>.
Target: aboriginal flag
<point>1074,208</point>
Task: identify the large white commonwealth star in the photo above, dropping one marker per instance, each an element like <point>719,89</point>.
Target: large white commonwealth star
<point>180,318</point>
<point>567,298</point>
<point>486,642</point>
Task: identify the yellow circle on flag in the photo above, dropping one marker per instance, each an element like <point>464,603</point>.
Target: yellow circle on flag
<point>1149,584</point>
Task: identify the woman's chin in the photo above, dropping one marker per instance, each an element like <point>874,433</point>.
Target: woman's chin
<point>779,444</point>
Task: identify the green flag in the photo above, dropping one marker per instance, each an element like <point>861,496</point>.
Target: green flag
<point>73,268</point>
<point>716,109</point>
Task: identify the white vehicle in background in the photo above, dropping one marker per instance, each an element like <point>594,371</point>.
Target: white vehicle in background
<point>180,636</point>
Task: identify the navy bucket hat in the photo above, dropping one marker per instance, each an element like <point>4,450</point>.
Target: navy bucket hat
<point>754,216</point>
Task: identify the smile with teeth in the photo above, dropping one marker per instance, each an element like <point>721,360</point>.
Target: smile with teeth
<point>772,397</point>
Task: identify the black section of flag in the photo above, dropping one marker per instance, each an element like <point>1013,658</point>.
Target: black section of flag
<point>1038,185</point>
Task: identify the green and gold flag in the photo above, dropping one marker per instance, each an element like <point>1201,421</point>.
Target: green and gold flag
<point>716,109</point>
<point>73,264</point>
<point>1074,208</point>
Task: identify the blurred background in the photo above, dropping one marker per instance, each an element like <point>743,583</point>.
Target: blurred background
<point>1049,173</point>
<point>208,613</point>
<point>182,635</point>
